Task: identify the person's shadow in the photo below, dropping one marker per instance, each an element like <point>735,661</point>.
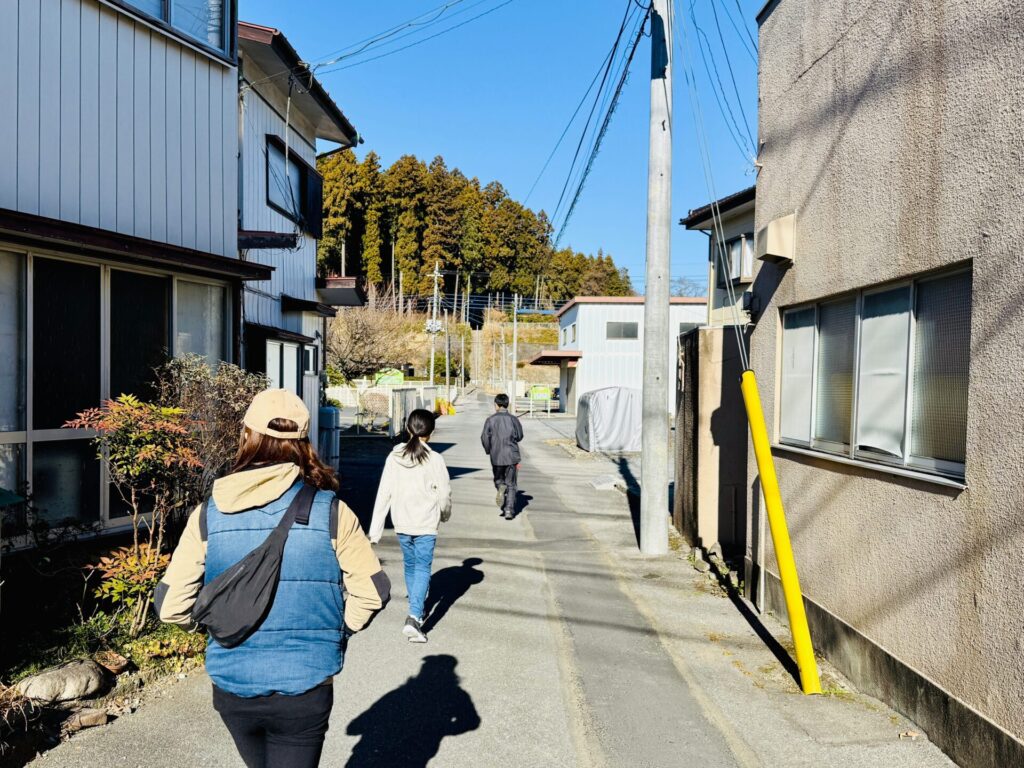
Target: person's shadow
<point>406,726</point>
<point>447,586</point>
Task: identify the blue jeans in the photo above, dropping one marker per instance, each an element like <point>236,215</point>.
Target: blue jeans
<point>418,554</point>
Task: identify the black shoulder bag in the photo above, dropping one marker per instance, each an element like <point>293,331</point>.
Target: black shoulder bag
<point>235,604</point>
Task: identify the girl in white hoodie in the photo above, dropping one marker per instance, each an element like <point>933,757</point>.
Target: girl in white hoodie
<point>416,488</point>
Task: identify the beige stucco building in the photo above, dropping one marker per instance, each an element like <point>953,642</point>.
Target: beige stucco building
<point>888,351</point>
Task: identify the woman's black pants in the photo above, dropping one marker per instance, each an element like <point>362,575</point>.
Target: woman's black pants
<point>277,731</point>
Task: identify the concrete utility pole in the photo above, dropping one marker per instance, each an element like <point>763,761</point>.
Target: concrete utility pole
<point>433,323</point>
<point>654,440</point>
<point>515,352</point>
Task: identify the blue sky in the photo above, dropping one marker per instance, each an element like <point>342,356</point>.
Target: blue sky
<point>493,96</point>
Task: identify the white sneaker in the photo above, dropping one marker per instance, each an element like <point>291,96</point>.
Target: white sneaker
<point>413,629</point>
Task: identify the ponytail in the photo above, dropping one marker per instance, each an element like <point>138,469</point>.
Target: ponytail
<point>419,424</point>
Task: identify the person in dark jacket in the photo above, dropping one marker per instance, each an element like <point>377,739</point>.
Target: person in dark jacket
<point>500,437</point>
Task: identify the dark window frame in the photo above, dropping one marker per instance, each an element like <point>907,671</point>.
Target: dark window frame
<point>310,213</point>
<point>229,54</point>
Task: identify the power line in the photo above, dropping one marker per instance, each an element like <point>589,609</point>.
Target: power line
<point>569,124</point>
<point>597,99</point>
<point>604,128</point>
<point>722,100</point>
<point>421,41</point>
<point>732,76</point>
<point>438,12</point>
<point>751,51</point>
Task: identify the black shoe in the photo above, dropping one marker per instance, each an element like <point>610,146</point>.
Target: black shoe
<point>509,515</point>
<point>500,498</point>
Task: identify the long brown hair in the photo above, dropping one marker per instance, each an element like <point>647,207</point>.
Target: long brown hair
<point>255,448</point>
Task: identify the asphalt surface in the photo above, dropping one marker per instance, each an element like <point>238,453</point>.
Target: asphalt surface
<point>551,643</point>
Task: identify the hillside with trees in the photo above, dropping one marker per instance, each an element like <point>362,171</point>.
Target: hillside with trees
<point>414,215</point>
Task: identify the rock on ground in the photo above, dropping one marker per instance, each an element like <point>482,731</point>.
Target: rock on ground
<point>75,680</point>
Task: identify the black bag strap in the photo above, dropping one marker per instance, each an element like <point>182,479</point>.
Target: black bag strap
<point>298,511</point>
<point>303,503</point>
<point>202,518</point>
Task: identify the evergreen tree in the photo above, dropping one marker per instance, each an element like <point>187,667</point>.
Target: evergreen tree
<point>434,215</point>
<point>340,174</point>
<point>371,198</point>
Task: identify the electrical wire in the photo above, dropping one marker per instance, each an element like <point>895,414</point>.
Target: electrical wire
<point>438,12</point>
<point>612,104</point>
<point>732,75</point>
<point>739,10</point>
<point>568,125</point>
<point>418,42</point>
<point>702,143</point>
<point>751,51</point>
<point>723,102</point>
<point>593,108</point>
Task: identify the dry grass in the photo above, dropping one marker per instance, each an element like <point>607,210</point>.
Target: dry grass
<point>16,713</point>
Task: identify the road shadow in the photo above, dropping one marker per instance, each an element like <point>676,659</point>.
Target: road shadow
<point>447,586</point>
<point>522,501</point>
<point>406,726</point>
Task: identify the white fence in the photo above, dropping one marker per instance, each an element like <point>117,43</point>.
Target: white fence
<point>390,402</point>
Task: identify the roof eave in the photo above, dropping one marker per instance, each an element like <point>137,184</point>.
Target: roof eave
<point>345,133</point>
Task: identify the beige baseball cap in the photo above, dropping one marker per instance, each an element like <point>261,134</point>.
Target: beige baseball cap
<point>273,404</point>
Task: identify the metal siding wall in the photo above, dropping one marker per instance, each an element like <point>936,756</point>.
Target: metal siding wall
<point>203,175</point>
<point>71,60</point>
<point>27,74</point>
<point>49,111</point>
<point>619,363</point>
<point>9,33</point>
<point>295,271</point>
<point>143,223</point>
<point>85,138</point>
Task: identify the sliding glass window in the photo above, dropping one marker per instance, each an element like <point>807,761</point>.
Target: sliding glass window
<point>882,375</point>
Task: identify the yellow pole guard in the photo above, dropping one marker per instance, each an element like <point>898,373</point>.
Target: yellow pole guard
<point>805,662</point>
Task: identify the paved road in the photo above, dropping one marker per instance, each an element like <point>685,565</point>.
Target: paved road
<point>552,644</point>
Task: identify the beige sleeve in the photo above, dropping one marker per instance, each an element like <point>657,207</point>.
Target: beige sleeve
<point>368,587</point>
<point>177,591</point>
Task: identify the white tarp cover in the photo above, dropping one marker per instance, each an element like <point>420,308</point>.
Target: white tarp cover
<point>609,420</point>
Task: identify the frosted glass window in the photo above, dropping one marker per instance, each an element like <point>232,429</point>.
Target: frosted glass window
<point>621,330</point>
<point>66,481</point>
<point>797,375</point>
<point>736,258</point>
<point>942,336</point>
<point>201,321</point>
<point>834,395</point>
<point>290,368</point>
<point>882,383</point>
<point>66,341</point>
<point>274,365</point>
<point>12,342</point>
<point>747,269</point>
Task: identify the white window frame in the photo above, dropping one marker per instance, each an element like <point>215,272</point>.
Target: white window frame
<point>609,323</point>
<point>906,461</point>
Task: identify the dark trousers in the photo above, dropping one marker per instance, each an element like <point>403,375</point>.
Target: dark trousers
<point>509,477</point>
<point>277,731</point>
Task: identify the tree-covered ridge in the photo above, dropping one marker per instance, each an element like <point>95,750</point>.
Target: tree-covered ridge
<point>428,213</point>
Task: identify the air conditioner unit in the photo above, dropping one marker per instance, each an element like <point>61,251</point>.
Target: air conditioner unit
<point>776,241</point>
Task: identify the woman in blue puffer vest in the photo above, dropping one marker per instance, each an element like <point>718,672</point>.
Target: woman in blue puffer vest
<point>274,691</point>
